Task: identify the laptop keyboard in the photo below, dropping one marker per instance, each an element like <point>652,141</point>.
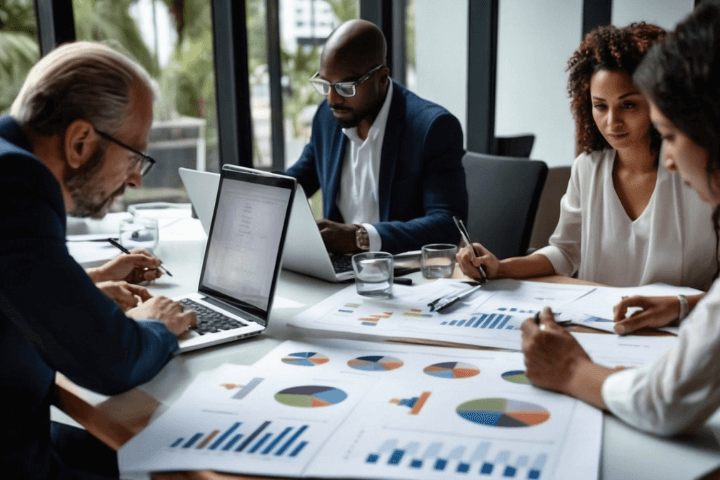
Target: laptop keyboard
<point>341,263</point>
<point>209,320</point>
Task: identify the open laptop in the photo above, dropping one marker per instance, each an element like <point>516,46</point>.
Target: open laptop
<point>305,250</point>
<point>242,258</point>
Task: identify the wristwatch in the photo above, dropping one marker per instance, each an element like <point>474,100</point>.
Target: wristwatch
<point>362,239</point>
<point>684,307</point>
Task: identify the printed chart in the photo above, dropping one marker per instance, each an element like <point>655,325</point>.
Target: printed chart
<point>415,404</point>
<point>310,396</point>
<point>502,412</point>
<point>516,376</point>
<point>375,363</point>
<point>452,370</point>
<point>306,359</point>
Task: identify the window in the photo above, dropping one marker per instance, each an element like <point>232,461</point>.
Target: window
<point>175,47</point>
<point>19,47</point>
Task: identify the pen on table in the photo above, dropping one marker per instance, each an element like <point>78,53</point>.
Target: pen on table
<point>562,323</point>
<point>126,251</point>
<point>466,239</point>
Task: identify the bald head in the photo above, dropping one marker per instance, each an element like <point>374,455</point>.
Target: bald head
<point>355,45</point>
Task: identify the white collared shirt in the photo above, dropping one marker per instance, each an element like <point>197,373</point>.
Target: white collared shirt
<point>358,195</point>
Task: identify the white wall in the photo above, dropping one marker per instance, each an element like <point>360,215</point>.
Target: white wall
<point>535,40</point>
<point>441,54</point>
<point>664,13</point>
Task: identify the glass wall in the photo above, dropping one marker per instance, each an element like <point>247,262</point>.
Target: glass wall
<point>19,49</point>
<point>174,42</point>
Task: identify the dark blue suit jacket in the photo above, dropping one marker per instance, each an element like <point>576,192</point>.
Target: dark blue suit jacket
<point>422,181</point>
<point>53,318</point>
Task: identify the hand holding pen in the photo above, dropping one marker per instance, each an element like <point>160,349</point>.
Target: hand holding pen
<point>146,266</point>
<point>471,248</point>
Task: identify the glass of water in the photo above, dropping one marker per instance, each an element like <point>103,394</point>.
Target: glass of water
<point>139,232</point>
<point>373,274</point>
<point>438,260</point>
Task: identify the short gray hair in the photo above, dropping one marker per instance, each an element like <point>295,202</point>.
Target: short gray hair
<point>79,80</point>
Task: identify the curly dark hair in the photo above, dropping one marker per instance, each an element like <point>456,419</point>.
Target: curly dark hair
<point>606,48</point>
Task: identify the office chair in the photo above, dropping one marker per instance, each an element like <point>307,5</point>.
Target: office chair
<point>519,146</point>
<point>503,198</point>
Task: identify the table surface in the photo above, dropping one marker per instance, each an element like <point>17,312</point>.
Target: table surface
<point>626,452</point>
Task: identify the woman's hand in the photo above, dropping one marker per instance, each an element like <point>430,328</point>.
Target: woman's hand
<point>469,264</point>
<point>140,265</point>
<point>124,294</point>
<point>552,355</point>
<point>655,312</point>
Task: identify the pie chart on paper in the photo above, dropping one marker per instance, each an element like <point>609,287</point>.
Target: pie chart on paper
<point>305,359</point>
<point>452,370</point>
<point>310,396</point>
<point>516,376</point>
<point>502,412</point>
<point>375,363</point>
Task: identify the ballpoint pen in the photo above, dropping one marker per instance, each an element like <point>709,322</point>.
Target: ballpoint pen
<point>466,239</point>
<point>127,252</point>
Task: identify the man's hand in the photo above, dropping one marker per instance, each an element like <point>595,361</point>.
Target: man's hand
<point>338,237</point>
<point>124,294</point>
<point>167,311</point>
<point>140,265</point>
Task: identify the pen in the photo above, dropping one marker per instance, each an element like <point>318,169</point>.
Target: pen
<point>466,239</point>
<point>126,251</point>
<point>562,323</point>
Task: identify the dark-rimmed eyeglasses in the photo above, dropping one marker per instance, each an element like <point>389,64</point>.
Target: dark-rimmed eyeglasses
<point>344,89</point>
<point>146,162</point>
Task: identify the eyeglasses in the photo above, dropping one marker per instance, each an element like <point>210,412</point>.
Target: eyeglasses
<point>344,89</point>
<point>146,161</point>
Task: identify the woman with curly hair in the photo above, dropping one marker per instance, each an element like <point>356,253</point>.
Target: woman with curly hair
<point>624,220</point>
<point>681,79</point>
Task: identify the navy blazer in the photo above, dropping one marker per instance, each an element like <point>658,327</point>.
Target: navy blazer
<point>422,180</point>
<point>53,318</point>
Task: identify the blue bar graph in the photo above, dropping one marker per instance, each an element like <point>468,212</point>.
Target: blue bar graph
<point>493,321</point>
<point>226,434</point>
<point>460,459</point>
<point>263,440</point>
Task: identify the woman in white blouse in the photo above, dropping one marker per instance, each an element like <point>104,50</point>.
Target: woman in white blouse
<point>624,220</point>
<point>681,78</point>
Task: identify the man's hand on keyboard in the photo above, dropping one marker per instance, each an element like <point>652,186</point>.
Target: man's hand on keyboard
<point>338,237</point>
<point>124,294</point>
<point>167,311</point>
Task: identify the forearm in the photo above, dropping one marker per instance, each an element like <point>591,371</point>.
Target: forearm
<point>95,274</point>
<point>586,383</point>
<point>694,299</point>
<point>536,265</point>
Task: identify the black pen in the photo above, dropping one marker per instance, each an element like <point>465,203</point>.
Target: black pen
<point>466,239</point>
<point>126,251</point>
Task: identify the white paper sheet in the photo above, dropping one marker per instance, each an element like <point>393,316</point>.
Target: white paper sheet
<point>408,412</point>
<point>489,317</point>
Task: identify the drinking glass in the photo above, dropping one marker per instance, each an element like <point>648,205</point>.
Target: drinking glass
<point>438,260</point>
<point>139,232</point>
<point>373,274</point>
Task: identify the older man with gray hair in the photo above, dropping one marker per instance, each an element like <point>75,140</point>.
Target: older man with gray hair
<point>72,144</point>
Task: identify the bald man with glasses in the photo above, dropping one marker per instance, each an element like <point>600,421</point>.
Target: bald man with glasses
<point>388,162</point>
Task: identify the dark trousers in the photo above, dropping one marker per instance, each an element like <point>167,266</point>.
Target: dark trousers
<point>82,455</point>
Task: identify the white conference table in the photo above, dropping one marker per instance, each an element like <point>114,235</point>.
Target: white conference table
<point>626,452</point>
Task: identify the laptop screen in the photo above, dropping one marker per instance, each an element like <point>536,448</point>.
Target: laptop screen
<point>245,242</point>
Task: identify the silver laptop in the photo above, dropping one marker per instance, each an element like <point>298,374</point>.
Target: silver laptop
<point>242,257</point>
<point>305,250</point>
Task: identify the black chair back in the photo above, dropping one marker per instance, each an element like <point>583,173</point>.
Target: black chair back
<point>519,146</point>
<point>503,197</point>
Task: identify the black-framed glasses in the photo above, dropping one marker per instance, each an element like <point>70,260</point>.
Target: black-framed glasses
<point>344,89</point>
<point>146,161</point>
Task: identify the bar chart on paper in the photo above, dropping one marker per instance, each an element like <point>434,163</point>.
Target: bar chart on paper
<point>483,459</point>
<point>487,321</point>
<point>268,439</point>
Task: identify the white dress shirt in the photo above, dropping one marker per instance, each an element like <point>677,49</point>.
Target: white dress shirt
<point>358,196</point>
<point>672,241</point>
<point>680,390</point>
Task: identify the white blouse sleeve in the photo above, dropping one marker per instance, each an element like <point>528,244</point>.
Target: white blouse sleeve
<point>564,249</point>
<point>682,389</point>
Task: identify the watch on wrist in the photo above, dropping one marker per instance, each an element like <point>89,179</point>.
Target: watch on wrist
<point>362,239</point>
<point>684,307</point>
